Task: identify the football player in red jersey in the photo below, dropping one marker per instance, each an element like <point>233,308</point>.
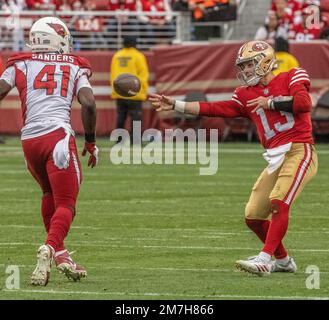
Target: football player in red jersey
<point>47,80</point>
<point>280,107</point>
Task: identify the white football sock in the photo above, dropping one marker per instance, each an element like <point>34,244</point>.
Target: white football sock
<point>283,261</point>
<point>265,257</point>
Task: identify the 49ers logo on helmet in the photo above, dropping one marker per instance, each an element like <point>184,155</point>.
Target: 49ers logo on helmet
<point>58,28</point>
<point>259,46</point>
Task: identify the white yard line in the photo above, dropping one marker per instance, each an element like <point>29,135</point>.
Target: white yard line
<point>215,234</point>
<point>159,269</point>
<point>164,294</point>
<point>105,244</point>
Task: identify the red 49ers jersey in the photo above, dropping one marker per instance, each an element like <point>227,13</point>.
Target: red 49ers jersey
<point>274,128</point>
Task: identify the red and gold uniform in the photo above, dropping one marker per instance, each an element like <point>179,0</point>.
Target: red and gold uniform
<point>280,107</point>
<point>284,134</point>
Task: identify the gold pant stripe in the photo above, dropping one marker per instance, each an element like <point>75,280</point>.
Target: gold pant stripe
<point>305,163</point>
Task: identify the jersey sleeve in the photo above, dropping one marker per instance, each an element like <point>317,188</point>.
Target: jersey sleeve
<point>83,74</point>
<point>83,82</point>
<point>227,109</point>
<point>298,76</point>
<point>9,76</point>
<point>85,67</point>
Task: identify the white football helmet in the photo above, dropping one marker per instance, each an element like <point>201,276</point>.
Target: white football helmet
<point>50,34</point>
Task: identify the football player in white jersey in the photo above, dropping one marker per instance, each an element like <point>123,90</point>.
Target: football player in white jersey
<point>47,80</point>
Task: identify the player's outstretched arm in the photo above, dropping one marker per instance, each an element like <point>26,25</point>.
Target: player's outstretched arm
<point>88,114</point>
<point>4,89</point>
<point>164,103</point>
<point>225,109</point>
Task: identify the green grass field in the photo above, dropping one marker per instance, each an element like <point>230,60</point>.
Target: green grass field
<point>162,231</point>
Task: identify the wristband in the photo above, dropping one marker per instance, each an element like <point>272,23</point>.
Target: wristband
<point>270,104</point>
<point>90,138</point>
<point>179,106</point>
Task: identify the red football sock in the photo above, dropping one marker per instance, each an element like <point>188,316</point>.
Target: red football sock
<point>48,210</point>
<point>260,227</point>
<point>59,227</point>
<point>278,226</point>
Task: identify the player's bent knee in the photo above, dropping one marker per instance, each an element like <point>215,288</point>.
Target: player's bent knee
<point>278,206</point>
<point>254,211</point>
<point>250,211</point>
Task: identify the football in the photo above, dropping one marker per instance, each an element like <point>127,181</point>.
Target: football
<point>127,85</point>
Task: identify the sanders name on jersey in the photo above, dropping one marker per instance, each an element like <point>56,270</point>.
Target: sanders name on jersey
<point>52,57</point>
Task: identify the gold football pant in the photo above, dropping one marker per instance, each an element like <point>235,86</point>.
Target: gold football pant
<point>285,184</point>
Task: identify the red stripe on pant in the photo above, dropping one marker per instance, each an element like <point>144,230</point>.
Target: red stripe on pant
<point>300,174</point>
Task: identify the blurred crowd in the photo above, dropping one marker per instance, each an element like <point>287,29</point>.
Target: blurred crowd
<point>151,26</point>
<point>299,20</point>
<point>200,9</point>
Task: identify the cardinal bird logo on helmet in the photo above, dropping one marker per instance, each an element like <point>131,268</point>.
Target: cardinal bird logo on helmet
<point>58,28</point>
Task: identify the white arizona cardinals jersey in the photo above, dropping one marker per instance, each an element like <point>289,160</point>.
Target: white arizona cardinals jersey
<point>47,84</point>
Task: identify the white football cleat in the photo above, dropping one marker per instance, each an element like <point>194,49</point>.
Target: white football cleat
<point>255,266</point>
<point>41,273</point>
<point>289,267</point>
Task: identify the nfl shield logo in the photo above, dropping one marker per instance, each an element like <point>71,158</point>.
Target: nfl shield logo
<point>266,91</point>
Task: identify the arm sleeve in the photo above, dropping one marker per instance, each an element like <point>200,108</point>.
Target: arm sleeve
<point>298,76</point>
<point>225,109</point>
<point>302,100</point>
<point>9,76</point>
<point>299,84</point>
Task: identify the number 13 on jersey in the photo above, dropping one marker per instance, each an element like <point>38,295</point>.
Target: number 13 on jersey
<point>280,127</point>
